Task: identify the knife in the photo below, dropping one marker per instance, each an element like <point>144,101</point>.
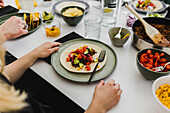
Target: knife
<point>100,59</point>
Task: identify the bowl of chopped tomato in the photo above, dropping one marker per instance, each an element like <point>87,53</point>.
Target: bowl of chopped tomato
<point>148,59</point>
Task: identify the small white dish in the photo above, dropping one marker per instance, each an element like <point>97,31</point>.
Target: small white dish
<point>157,83</point>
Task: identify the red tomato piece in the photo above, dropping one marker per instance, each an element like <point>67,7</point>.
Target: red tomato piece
<point>151,4</point>
<point>88,67</point>
<point>168,67</point>
<point>149,51</point>
<point>79,56</point>
<point>88,63</point>
<point>162,54</point>
<point>67,59</point>
<point>139,2</point>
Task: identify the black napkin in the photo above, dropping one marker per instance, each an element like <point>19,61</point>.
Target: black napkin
<point>68,37</point>
<point>7,9</point>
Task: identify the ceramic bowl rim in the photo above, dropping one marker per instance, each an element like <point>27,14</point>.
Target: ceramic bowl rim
<point>153,91</point>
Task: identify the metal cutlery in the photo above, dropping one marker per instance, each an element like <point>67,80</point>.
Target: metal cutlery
<point>160,68</point>
<point>100,59</point>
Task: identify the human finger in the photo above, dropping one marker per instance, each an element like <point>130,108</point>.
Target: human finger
<point>54,49</point>
<point>23,22</point>
<point>101,83</point>
<point>2,1</point>
<point>24,31</point>
<point>117,86</point>
<point>119,92</point>
<point>2,5</point>
<point>53,44</point>
<point>111,82</point>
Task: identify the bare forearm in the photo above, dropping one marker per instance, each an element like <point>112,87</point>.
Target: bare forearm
<point>95,108</point>
<point>16,69</point>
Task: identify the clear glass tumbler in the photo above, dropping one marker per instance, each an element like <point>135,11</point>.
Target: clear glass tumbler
<point>109,9</point>
<point>92,26</point>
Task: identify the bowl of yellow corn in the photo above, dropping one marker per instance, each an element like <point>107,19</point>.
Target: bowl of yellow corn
<point>161,92</point>
<point>120,41</point>
<point>72,15</point>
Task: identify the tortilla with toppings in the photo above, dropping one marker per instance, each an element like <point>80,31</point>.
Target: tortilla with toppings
<point>68,65</point>
<point>158,5</point>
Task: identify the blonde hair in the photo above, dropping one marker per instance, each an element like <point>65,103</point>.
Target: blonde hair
<point>10,99</point>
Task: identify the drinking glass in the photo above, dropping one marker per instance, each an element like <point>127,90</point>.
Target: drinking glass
<point>27,5</point>
<point>93,25</point>
<point>109,9</point>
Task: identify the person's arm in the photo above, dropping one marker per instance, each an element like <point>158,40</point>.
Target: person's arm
<point>105,97</point>
<point>16,69</point>
<point>12,28</point>
<point>2,3</point>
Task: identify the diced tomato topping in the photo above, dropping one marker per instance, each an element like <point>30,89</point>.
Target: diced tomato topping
<point>149,51</point>
<point>151,4</point>
<point>168,67</point>
<point>84,48</point>
<point>139,2</point>
<point>67,59</point>
<point>88,63</point>
<point>88,67</point>
<point>79,56</point>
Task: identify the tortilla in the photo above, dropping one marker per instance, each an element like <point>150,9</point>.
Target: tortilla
<point>68,65</point>
<point>158,5</point>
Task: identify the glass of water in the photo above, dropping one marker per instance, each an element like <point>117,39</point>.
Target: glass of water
<point>27,5</point>
<point>93,26</point>
<point>109,12</point>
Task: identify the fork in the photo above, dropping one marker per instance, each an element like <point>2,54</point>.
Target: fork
<point>160,68</point>
<point>100,59</point>
<point>118,34</point>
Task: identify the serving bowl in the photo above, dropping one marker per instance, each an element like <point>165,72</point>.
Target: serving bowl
<point>140,43</point>
<point>148,74</point>
<point>157,83</point>
<point>72,21</point>
<point>118,41</point>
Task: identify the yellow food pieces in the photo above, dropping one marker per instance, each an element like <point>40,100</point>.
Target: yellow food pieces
<point>125,36</point>
<point>52,32</point>
<point>35,3</point>
<point>72,12</point>
<point>163,94</point>
<point>18,4</point>
<point>78,69</point>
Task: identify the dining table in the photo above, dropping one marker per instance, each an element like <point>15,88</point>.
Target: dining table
<point>137,95</point>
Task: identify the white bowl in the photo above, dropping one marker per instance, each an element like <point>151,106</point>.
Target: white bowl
<point>158,82</point>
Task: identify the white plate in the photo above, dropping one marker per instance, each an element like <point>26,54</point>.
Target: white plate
<point>162,6</point>
<point>61,4</point>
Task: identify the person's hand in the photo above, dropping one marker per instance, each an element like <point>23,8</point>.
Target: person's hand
<point>2,3</point>
<point>46,49</point>
<point>105,97</point>
<point>13,28</point>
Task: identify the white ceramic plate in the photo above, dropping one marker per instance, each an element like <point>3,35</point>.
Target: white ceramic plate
<point>161,6</point>
<point>69,66</point>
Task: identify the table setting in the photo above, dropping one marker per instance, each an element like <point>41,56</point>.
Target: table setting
<point>85,26</point>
